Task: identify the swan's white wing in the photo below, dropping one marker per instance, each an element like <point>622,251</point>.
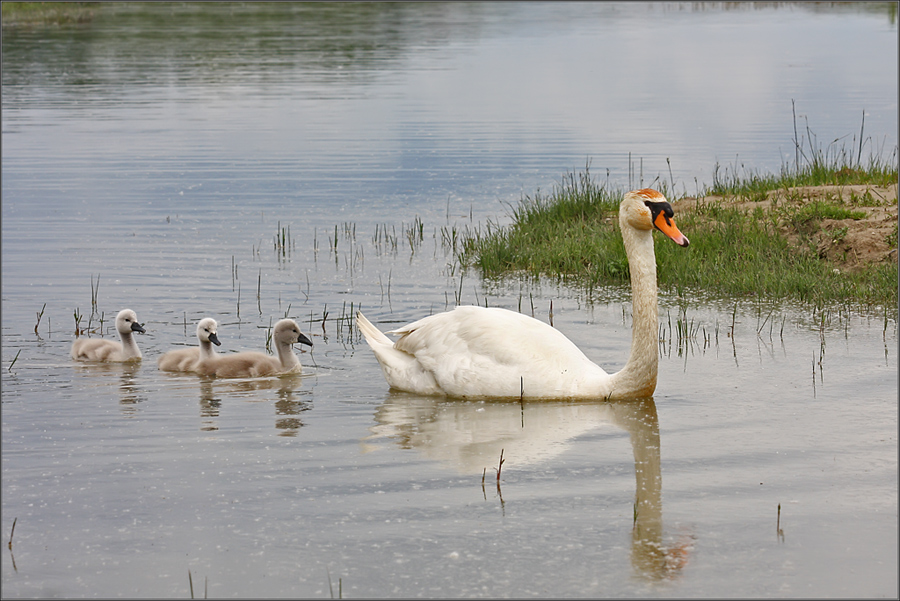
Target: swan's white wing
<point>477,351</point>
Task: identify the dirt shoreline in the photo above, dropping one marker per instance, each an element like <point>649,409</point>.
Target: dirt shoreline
<point>848,243</point>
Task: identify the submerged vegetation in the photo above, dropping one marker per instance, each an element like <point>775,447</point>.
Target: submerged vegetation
<point>781,236</point>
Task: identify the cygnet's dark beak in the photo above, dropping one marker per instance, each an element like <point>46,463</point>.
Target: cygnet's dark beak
<point>302,339</point>
<point>136,327</point>
<point>214,339</point>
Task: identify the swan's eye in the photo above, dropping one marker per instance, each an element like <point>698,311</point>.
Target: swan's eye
<point>656,207</point>
<point>660,207</point>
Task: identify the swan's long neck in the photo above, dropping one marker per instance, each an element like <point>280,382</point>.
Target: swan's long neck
<point>286,355</point>
<point>207,350</point>
<point>638,377</point>
<point>130,348</point>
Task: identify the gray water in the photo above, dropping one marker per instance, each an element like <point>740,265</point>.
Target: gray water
<point>151,157</point>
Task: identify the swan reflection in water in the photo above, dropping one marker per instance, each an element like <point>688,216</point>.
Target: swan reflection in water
<point>289,403</point>
<point>467,436</point>
<point>130,391</point>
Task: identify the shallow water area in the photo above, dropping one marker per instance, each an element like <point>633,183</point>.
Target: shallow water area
<point>187,162</point>
<point>267,485</point>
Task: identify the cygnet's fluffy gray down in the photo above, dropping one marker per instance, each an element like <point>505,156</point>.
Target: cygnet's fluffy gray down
<point>188,359</point>
<point>251,364</point>
<point>100,349</point>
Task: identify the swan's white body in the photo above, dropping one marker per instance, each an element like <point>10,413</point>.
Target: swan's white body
<point>100,349</point>
<point>491,352</point>
<point>251,364</point>
<point>188,359</point>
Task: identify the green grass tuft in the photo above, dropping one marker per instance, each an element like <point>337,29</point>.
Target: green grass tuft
<point>573,234</point>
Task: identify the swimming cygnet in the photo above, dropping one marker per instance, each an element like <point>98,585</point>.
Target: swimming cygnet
<point>187,359</point>
<point>99,349</point>
<point>251,364</point>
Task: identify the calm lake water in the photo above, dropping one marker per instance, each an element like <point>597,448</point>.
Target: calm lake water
<point>152,156</point>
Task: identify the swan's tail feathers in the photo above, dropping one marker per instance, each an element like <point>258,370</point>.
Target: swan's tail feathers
<point>373,335</point>
<point>401,370</point>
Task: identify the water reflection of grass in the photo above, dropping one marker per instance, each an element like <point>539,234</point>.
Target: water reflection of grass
<point>30,14</point>
<point>754,236</point>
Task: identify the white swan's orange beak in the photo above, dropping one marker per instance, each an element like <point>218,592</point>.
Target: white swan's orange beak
<point>666,224</point>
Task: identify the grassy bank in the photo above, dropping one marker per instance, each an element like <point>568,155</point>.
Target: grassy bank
<point>755,236</point>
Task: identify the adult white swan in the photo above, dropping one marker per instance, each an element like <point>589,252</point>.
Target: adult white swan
<point>491,352</point>
<point>100,349</point>
<point>187,359</point>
